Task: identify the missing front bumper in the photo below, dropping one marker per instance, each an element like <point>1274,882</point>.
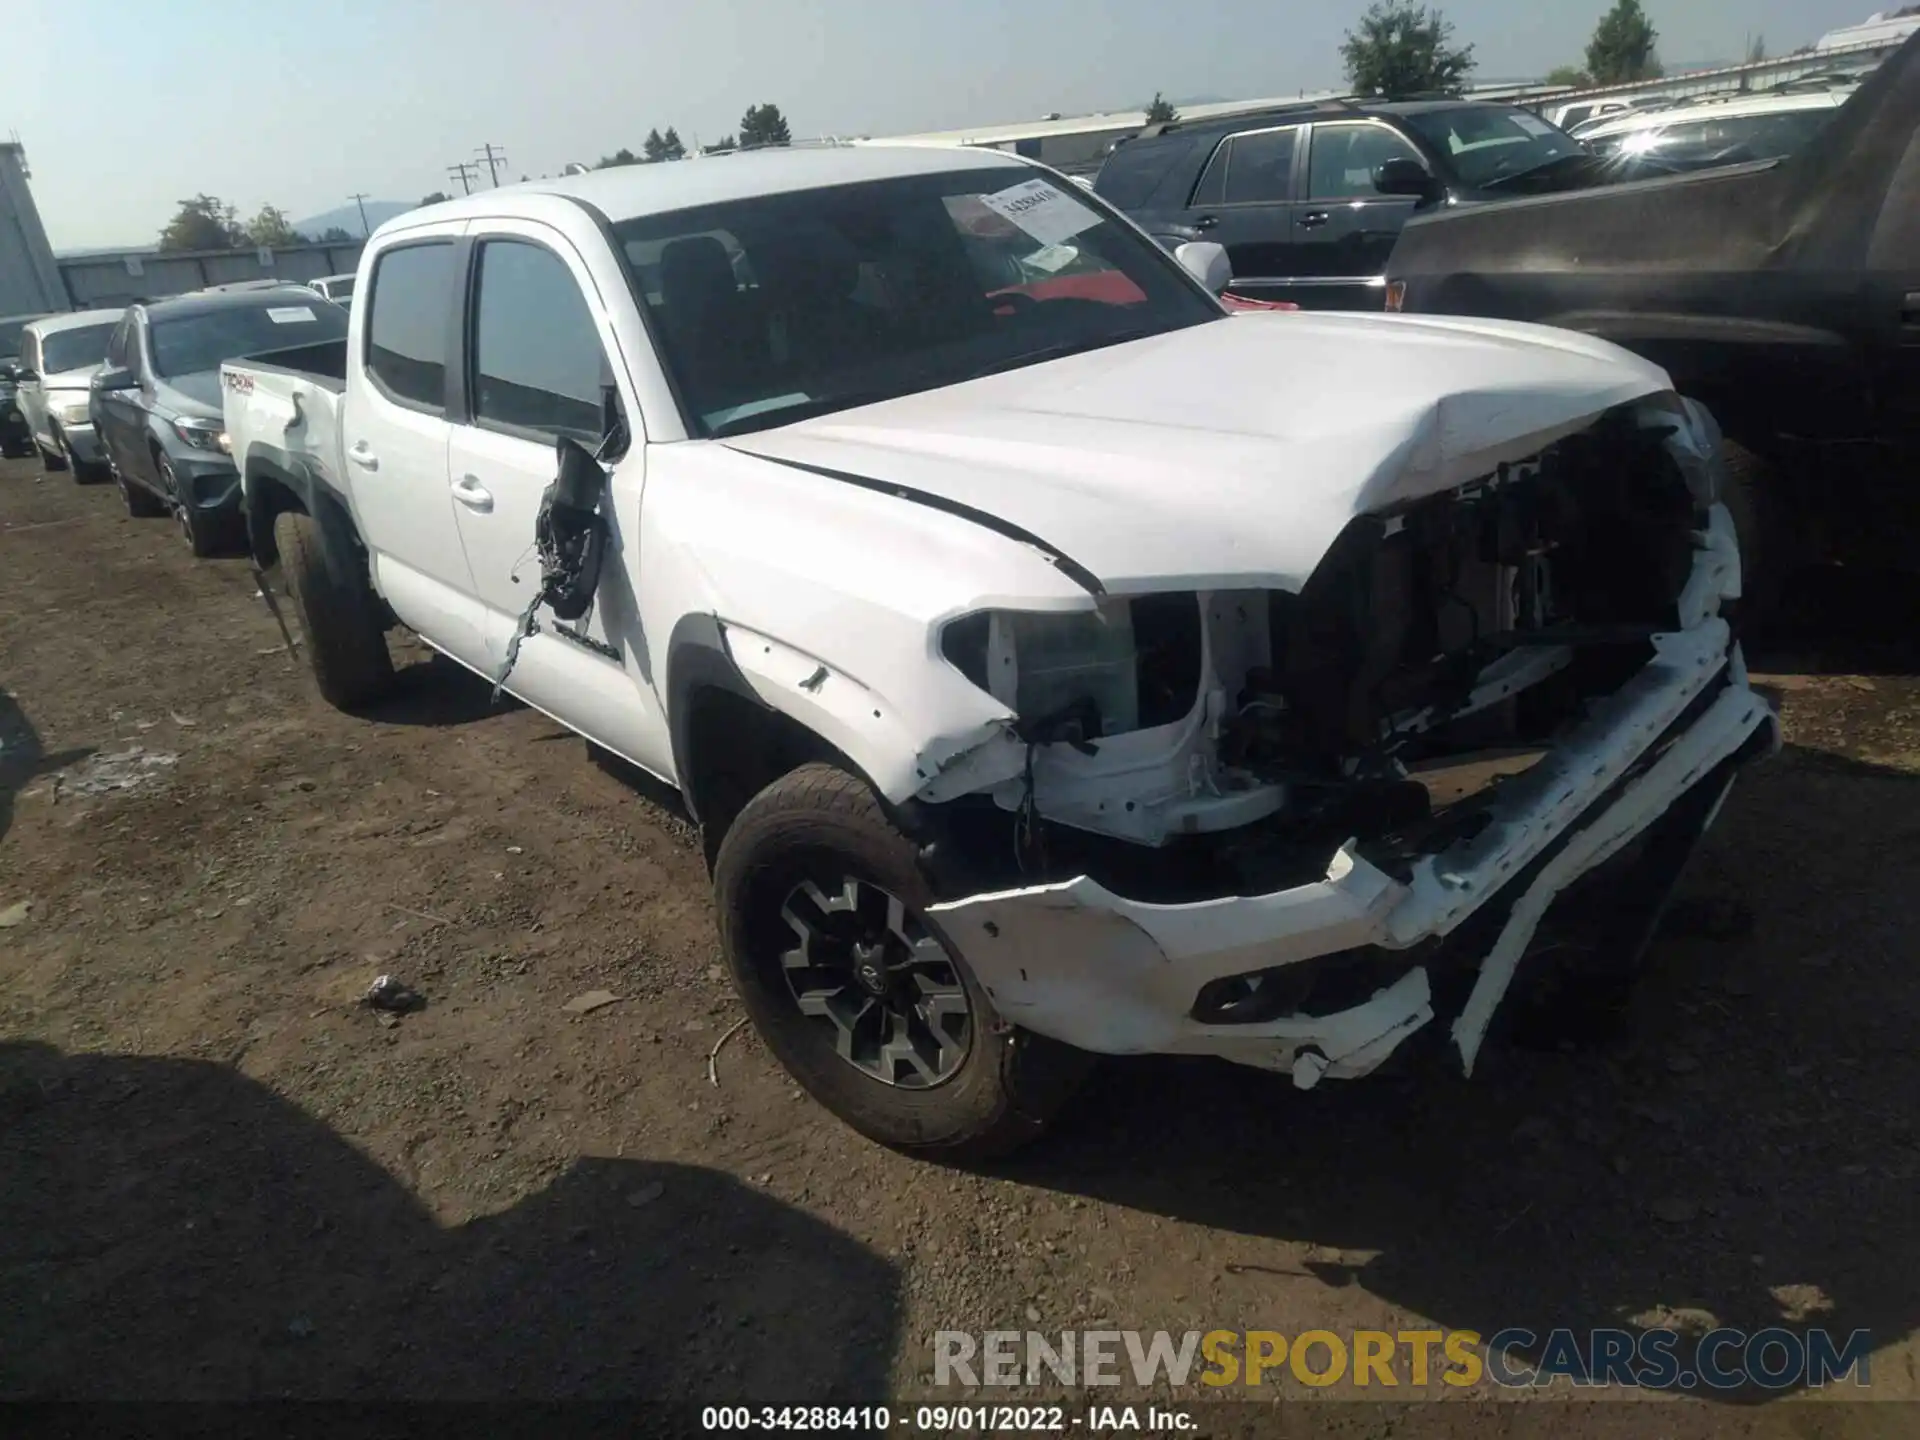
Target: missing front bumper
<point>1116,976</point>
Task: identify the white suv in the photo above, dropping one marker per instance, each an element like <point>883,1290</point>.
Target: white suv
<point>1054,662</point>
<point>58,355</point>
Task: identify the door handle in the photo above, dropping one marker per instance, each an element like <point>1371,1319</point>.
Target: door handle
<point>363,457</point>
<point>1313,218</point>
<point>471,493</point>
<point>1910,311</point>
<point>1206,222</point>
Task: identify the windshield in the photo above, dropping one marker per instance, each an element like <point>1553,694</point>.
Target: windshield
<point>776,307</point>
<point>1717,140</point>
<point>200,342</point>
<point>1488,144</point>
<point>75,349</point>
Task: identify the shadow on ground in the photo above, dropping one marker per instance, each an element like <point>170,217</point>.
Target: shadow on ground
<point>170,1228</point>
<point>1744,1155</point>
<point>435,691</point>
<point>22,759</point>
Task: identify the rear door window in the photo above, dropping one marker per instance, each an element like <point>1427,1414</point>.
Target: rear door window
<point>1260,167</point>
<point>407,324</point>
<point>1133,172</point>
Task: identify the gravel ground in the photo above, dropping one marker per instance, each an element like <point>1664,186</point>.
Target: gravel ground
<point>222,1176</point>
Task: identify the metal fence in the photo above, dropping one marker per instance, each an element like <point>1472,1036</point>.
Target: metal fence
<point>103,281</point>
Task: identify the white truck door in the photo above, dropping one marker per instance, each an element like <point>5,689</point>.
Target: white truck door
<point>537,365</point>
<point>394,435</point>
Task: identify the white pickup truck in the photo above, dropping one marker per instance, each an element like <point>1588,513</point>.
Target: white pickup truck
<point>1055,662</point>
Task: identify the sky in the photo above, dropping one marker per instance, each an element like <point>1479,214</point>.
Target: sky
<point>299,106</point>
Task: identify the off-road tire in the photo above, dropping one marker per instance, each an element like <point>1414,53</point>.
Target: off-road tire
<point>820,822</point>
<point>339,621</point>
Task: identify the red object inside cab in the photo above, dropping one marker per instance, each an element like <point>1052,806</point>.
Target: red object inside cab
<point>1243,302</point>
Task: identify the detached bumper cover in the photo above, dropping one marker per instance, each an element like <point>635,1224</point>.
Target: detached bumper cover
<point>208,483</point>
<point>1117,976</point>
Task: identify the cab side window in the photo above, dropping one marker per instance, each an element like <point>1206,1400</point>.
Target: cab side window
<point>538,364</point>
<point>407,325</point>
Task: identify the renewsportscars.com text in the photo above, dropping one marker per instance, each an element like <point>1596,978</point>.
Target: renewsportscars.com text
<point>1776,1358</point>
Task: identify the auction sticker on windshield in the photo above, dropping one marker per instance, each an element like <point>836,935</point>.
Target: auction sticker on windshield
<point>1042,211</point>
<point>289,314</point>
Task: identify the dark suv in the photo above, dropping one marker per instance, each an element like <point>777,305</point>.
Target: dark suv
<point>1308,200</point>
<point>156,403</point>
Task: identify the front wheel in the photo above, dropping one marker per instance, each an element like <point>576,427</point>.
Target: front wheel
<point>823,917</point>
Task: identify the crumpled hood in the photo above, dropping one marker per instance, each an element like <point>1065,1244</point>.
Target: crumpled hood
<point>1230,453</point>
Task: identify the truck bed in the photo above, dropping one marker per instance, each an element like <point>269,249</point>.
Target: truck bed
<point>282,411</point>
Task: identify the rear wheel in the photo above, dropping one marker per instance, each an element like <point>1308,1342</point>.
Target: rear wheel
<point>338,615</point>
<point>141,503</point>
<point>823,917</point>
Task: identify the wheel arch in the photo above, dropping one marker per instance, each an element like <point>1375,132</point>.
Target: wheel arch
<point>728,742</point>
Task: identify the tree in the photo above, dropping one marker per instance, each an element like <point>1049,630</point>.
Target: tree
<point>724,143</point>
<point>336,235</point>
<point>203,223</point>
<point>764,125</point>
<point>436,198</point>
<point>1621,50</point>
<point>1402,49</point>
<point>1569,75</point>
<point>653,145</point>
<point>622,156</point>
<point>1161,112</point>
<point>670,146</point>
<point>270,228</point>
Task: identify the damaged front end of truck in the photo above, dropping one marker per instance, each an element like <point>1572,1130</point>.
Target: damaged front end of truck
<point>1295,828</point>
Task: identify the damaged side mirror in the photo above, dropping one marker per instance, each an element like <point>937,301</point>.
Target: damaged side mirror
<point>570,534</point>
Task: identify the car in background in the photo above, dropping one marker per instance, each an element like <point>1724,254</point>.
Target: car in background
<point>15,436</point>
<point>1727,131</point>
<point>1581,112</point>
<point>337,288</point>
<point>1784,294</point>
<point>156,401</point>
<point>58,355</point>
<point>1309,199</point>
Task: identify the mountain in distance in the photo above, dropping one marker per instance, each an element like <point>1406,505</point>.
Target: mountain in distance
<point>347,217</point>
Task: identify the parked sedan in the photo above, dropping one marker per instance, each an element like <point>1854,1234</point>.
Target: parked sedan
<point>156,401</point>
<point>58,355</point>
<point>15,436</point>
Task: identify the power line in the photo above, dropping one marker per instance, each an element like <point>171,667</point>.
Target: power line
<point>359,198</point>
<point>494,162</point>
<point>466,171</point>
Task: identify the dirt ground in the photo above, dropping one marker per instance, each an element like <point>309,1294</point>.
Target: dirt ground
<point>222,1176</point>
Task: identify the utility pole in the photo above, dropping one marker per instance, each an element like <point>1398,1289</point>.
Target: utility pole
<point>359,198</point>
<point>494,162</point>
<point>465,171</point>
